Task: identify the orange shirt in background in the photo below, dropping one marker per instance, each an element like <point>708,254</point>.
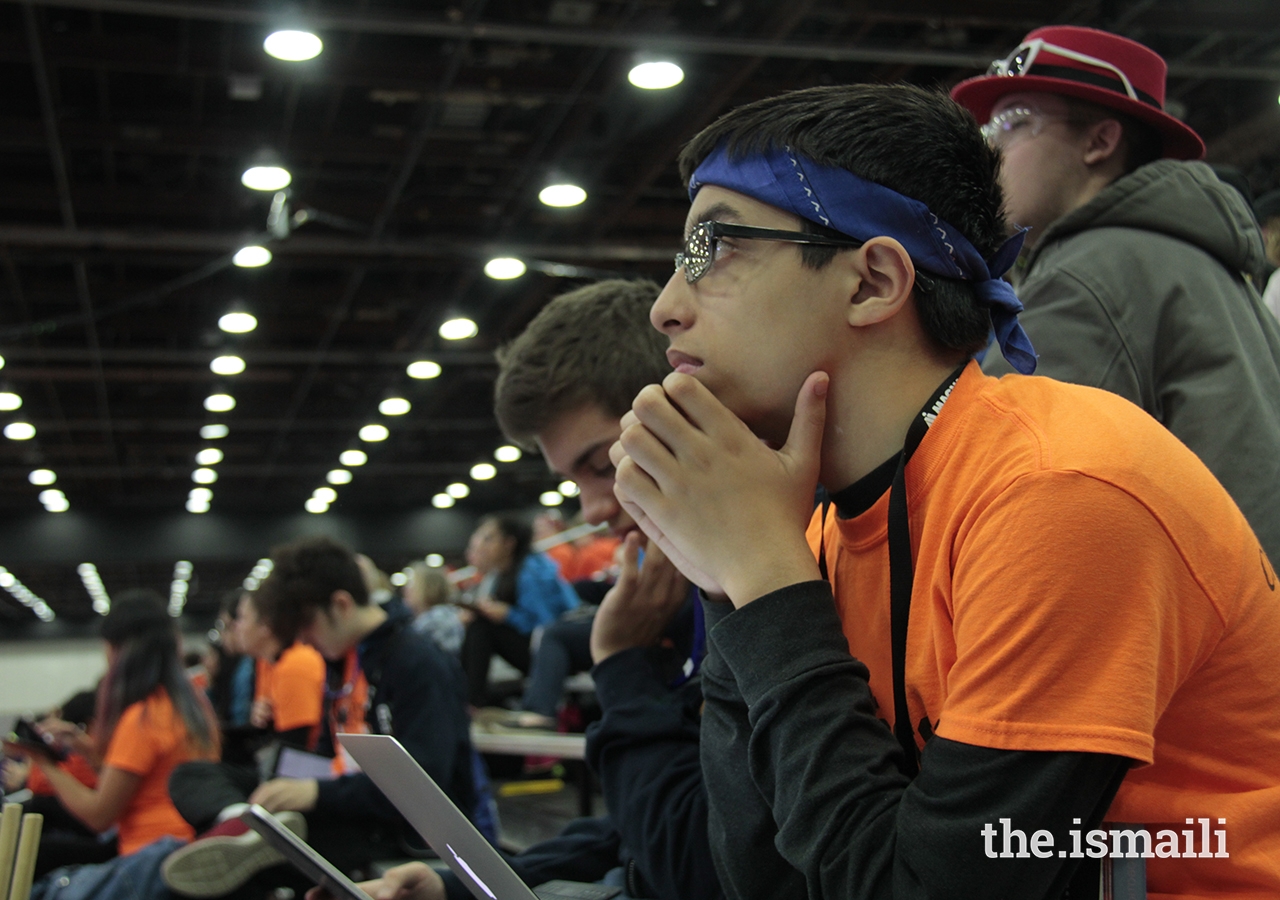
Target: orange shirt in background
<point>583,563</point>
<point>294,685</point>
<point>1083,583</point>
<point>150,741</point>
<point>75,765</point>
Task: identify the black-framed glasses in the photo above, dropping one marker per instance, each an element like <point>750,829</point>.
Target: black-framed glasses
<point>699,253</point>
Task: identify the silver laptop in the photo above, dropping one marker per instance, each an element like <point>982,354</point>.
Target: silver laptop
<point>448,832</point>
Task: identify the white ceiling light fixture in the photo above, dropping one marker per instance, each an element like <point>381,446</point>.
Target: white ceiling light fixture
<point>266,178</point>
<point>327,494</point>
<point>483,471</point>
<point>198,507</point>
<point>179,587</point>
<point>568,488</point>
<point>252,257</point>
<point>394,406</point>
<point>423,369</point>
<point>503,268</point>
<point>238,322</point>
<point>507,453</point>
<point>19,431</point>
<point>442,501</point>
<point>374,433</point>
<point>42,477</point>
<point>562,195</point>
<point>201,494</point>
<point>550,498</point>
<point>316,506</point>
<point>9,401</point>
<point>459,329</point>
<point>398,579</point>
<point>293,46</point>
<point>92,582</point>
<point>214,432</point>
<point>23,595</point>
<point>219,403</point>
<point>226,365</point>
<point>1,362</point>
<point>55,501</point>
<point>338,476</point>
<point>353,457</point>
<point>209,456</point>
<point>458,490</point>
<point>204,476</point>
<point>657,75</point>
<point>434,560</point>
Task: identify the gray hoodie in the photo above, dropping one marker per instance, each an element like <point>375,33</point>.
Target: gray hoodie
<point>1140,292</point>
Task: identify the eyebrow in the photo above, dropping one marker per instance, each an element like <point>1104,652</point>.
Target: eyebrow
<point>717,212</point>
<point>584,456</point>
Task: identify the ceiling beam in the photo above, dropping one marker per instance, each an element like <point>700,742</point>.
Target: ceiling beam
<point>421,26</point>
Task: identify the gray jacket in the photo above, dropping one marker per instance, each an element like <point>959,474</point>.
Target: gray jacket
<point>1140,292</point>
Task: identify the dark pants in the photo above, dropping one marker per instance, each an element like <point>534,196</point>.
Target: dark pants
<point>64,839</point>
<point>202,790</point>
<point>565,649</point>
<point>483,639</point>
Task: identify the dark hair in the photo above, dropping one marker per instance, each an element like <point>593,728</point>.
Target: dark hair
<point>304,576</point>
<point>914,141</point>
<point>1140,143</point>
<point>590,346</point>
<point>518,530</point>
<point>146,642</point>
<point>78,709</point>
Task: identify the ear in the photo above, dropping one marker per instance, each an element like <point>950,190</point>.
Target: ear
<point>340,604</point>
<point>1102,142</point>
<point>887,277</point>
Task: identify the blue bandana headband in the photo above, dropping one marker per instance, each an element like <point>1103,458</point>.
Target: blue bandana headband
<point>863,209</point>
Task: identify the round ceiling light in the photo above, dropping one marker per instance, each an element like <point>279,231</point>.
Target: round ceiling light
<point>238,322</point>
<point>458,490</point>
<point>394,406</point>
<point>209,456</point>
<point>42,477</point>
<point>442,501</point>
<point>213,432</point>
<point>9,401</point>
<point>423,368</point>
<point>504,268</point>
<point>550,498</point>
<point>483,471</point>
<point>562,195</point>
<point>434,560</point>
<point>353,457</point>
<point>19,431</point>
<point>219,403</point>
<point>656,76</point>
<point>251,257</point>
<point>197,506</point>
<point>327,494</point>
<point>569,488</point>
<point>458,329</point>
<point>374,433</point>
<point>507,453</point>
<point>293,46</point>
<point>202,494</point>
<point>226,365</point>
<point>315,505</point>
<point>338,476</point>
<point>204,476</point>
<point>266,178</point>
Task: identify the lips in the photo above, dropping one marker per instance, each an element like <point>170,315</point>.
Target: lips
<point>683,362</point>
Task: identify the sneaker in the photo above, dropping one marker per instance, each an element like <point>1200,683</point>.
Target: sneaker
<point>224,857</point>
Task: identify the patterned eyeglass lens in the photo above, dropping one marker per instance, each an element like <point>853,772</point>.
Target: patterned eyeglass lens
<point>697,253</point>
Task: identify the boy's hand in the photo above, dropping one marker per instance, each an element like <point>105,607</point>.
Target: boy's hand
<point>712,495</point>
<point>641,603</point>
<point>281,794</point>
<point>411,881</point>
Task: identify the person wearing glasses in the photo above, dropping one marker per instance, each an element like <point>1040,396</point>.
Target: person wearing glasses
<point>1027,614</point>
<point>1134,277</point>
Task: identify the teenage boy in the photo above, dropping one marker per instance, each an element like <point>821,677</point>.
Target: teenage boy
<point>389,680</point>
<point>1092,623</point>
<point>1134,278</point>
<point>562,385</point>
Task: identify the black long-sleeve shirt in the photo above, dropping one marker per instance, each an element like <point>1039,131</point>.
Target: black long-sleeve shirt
<point>806,796</point>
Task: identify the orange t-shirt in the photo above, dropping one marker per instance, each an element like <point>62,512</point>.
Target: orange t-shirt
<point>74,765</point>
<point>150,740</point>
<point>294,684</point>
<point>1083,583</point>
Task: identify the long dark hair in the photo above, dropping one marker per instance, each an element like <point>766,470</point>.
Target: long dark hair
<point>518,530</point>
<point>146,642</point>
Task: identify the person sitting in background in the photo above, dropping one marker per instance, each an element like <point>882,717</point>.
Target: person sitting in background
<point>148,720</point>
<point>390,680</point>
<point>64,839</point>
<point>518,592</point>
<point>430,596</point>
<point>376,581</point>
<point>231,688</point>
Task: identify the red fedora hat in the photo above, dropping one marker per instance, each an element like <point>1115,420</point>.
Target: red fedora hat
<point>1088,64</point>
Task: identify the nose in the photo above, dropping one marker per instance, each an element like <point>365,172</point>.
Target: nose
<point>598,502</point>
<point>672,313</point>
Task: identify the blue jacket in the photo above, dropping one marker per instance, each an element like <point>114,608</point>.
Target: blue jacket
<point>541,594</point>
